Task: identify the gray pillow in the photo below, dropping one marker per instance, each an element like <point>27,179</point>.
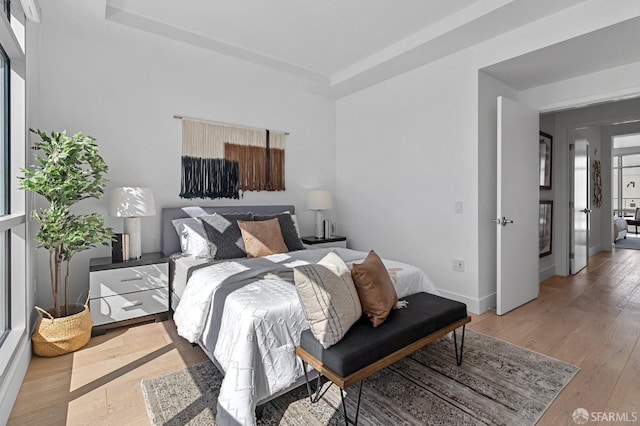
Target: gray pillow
<point>328,297</point>
<point>288,228</point>
<point>223,233</point>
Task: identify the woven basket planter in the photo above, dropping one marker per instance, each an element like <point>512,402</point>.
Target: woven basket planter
<point>58,336</point>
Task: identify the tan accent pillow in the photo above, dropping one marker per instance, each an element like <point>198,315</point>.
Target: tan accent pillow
<point>328,297</point>
<point>262,238</point>
<point>375,289</point>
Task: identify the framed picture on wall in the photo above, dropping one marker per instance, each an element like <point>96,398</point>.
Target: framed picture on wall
<point>545,160</point>
<point>544,227</point>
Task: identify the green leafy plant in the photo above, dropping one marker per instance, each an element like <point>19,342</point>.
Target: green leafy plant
<point>67,169</point>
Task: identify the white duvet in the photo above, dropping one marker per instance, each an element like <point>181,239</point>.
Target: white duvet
<point>246,314</point>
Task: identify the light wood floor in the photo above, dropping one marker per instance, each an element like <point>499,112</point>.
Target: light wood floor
<point>591,320</point>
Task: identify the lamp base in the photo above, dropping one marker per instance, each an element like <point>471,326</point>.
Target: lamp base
<point>319,225</point>
<point>132,226</point>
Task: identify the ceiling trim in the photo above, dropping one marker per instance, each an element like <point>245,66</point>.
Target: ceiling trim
<point>591,100</point>
<point>125,17</point>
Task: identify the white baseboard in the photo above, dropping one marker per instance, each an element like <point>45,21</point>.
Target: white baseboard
<point>12,380</point>
<point>488,302</point>
<point>547,273</point>
<point>476,306</point>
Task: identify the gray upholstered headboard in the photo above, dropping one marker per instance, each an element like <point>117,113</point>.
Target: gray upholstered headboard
<point>170,239</point>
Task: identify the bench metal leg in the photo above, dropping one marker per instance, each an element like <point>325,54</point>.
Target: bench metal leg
<point>318,392</point>
<point>347,420</point>
<point>455,343</point>
<point>260,411</point>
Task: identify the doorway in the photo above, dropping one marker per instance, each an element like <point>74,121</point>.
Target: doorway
<point>626,175</point>
<point>579,204</point>
<point>598,124</point>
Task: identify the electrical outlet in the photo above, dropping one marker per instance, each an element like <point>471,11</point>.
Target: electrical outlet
<point>457,265</point>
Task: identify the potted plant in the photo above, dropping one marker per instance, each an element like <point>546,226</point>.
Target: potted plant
<point>67,169</point>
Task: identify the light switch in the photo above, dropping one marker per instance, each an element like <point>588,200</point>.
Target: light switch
<point>458,207</point>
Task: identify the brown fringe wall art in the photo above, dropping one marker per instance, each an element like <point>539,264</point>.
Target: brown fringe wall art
<point>220,160</point>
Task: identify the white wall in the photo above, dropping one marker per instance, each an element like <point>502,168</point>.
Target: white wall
<point>408,148</point>
<point>123,87</point>
<point>406,151</point>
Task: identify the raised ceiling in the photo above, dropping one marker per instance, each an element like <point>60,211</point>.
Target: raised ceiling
<point>606,48</point>
<point>324,36</point>
<point>346,45</point>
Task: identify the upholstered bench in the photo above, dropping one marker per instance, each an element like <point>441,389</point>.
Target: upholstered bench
<point>364,350</point>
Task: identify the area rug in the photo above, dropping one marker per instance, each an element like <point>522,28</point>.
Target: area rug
<point>497,384</point>
<point>631,242</point>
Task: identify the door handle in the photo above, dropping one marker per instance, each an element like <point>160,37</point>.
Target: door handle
<point>586,211</point>
<point>502,221</point>
<point>505,221</point>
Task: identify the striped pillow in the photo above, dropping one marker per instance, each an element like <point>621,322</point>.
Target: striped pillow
<point>328,297</point>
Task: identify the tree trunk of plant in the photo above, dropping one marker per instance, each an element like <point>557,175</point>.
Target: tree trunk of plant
<point>66,288</point>
<point>56,282</point>
<point>52,262</point>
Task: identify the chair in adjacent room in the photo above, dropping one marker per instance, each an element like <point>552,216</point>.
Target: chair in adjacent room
<point>636,220</point>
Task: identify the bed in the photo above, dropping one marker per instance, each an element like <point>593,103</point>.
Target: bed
<point>620,229</point>
<point>246,315</point>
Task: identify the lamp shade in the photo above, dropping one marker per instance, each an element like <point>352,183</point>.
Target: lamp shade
<point>318,200</point>
<point>132,202</point>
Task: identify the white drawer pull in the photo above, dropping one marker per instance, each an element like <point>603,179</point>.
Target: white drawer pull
<point>136,278</point>
<point>131,306</point>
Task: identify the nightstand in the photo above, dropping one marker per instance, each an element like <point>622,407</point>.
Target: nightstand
<point>332,241</point>
<point>123,293</point>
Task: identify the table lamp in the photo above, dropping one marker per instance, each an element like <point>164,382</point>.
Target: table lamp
<point>318,201</point>
<point>132,203</point>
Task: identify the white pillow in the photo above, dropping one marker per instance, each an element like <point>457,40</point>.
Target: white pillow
<point>328,297</point>
<point>295,223</point>
<point>192,239</point>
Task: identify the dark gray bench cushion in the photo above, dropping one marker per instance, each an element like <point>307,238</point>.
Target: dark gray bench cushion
<point>364,345</point>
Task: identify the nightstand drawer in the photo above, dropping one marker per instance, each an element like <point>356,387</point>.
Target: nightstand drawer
<point>342,244</point>
<point>120,307</point>
<point>128,280</point>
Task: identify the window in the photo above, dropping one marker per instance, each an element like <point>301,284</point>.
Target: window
<point>626,175</point>
<point>5,191</point>
<point>13,313</point>
<point>16,283</point>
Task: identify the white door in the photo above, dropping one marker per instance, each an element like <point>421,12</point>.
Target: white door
<point>579,208</point>
<point>518,205</point>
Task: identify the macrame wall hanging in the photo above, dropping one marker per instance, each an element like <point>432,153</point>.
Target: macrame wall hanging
<point>597,184</point>
<point>221,161</point>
